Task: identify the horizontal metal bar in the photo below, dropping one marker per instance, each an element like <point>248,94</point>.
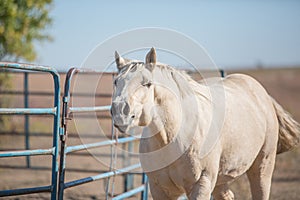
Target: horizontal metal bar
<point>90,71</point>
<point>22,191</point>
<point>62,72</point>
<point>48,134</point>
<point>28,111</point>
<point>130,193</point>
<point>104,116</point>
<point>100,144</point>
<point>35,152</point>
<point>88,109</point>
<point>101,176</point>
<point>42,93</point>
<point>31,67</point>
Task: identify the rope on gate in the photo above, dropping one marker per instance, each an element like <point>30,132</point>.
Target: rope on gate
<point>115,162</point>
<point>110,186</point>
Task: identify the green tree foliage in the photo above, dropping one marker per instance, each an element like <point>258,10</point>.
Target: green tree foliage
<point>21,23</point>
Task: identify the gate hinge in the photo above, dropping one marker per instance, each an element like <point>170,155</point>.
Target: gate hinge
<point>62,134</point>
<point>61,131</point>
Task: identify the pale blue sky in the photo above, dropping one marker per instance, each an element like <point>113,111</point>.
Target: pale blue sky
<point>235,33</point>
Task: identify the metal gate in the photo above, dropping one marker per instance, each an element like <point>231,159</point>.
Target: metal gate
<point>67,110</point>
<point>58,184</point>
<point>55,112</point>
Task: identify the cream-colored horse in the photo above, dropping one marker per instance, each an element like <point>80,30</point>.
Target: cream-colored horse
<point>196,142</point>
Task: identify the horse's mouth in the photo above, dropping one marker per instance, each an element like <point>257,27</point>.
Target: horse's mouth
<point>121,128</point>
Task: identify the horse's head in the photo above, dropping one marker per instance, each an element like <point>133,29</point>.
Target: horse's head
<point>133,95</point>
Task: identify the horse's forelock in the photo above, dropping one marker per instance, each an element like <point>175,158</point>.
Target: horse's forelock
<point>131,67</point>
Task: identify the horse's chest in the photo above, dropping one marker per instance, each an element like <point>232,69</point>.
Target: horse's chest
<point>180,175</point>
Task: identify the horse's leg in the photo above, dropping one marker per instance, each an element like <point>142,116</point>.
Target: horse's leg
<point>222,192</point>
<point>158,194</point>
<point>202,189</point>
<point>260,175</point>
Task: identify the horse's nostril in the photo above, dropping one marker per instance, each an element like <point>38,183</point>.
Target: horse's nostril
<point>126,109</point>
<point>120,108</point>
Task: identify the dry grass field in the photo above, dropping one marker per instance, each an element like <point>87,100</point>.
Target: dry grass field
<point>282,84</point>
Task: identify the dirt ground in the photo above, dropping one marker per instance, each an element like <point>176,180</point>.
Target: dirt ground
<point>282,84</point>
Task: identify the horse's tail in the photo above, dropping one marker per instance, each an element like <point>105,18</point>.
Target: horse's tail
<point>289,129</point>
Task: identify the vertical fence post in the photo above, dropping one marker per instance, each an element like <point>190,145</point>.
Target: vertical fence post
<point>128,177</point>
<point>63,137</point>
<point>26,117</point>
<point>144,195</point>
<point>222,73</point>
<point>55,142</point>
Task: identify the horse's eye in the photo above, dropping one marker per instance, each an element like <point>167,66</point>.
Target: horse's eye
<point>115,82</point>
<point>148,84</point>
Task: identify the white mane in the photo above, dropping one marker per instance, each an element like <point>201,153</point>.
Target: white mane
<point>185,83</point>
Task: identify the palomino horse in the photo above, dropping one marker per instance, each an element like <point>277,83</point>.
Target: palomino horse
<point>178,115</point>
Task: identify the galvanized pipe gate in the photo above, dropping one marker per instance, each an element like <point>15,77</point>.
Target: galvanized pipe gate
<point>58,184</point>
<point>55,112</point>
<point>66,111</point>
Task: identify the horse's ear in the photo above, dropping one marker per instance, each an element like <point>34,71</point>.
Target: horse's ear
<point>120,62</point>
<point>151,56</point>
<point>151,59</point>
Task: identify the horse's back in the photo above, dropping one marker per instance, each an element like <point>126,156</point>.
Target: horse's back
<point>241,87</point>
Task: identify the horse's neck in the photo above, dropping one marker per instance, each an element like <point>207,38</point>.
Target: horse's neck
<point>166,117</point>
<point>173,114</point>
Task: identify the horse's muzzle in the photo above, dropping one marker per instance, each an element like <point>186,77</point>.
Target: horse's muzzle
<point>120,108</point>
<point>120,112</point>
<point>122,129</point>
